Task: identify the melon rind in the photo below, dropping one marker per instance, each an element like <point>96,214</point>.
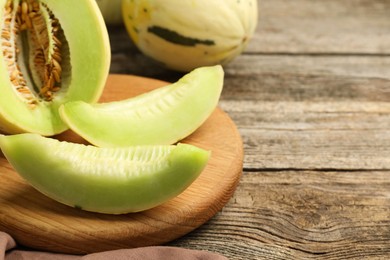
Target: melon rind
<point>162,116</point>
<point>89,48</point>
<point>104,180</point>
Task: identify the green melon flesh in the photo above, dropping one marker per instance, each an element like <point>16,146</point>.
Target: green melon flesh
<point>105,180</point>
<point>162,116</point>
<point>83,78</point>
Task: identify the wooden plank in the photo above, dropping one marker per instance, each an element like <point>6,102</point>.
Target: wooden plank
<point>313,116</point>
<point>313,135</point>
<point>359,66</point>
<point>321,149</point>
<point>306,26</point>
<point>301,215</point>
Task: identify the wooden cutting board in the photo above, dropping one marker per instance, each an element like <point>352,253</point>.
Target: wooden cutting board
<point>36,221</point>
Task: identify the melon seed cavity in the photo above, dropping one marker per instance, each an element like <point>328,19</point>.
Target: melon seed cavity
<point>32,43</point>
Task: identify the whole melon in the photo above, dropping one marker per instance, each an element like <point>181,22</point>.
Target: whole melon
<point>187,34</point>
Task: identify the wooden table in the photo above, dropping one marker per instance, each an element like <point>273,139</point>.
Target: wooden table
<point>310,97</point>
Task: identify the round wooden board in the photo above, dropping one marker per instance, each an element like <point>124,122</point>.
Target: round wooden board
<point>41,223</point>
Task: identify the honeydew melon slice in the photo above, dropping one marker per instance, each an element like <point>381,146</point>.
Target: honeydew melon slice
<point>162,116</point>
<point>105,180</point>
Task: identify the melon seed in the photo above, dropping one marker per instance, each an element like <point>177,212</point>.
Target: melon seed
<point>32,44</point>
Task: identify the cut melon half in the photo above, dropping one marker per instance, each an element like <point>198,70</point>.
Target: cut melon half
<point>162,116</point>
<point>105,180</point>
<point>52,52</point>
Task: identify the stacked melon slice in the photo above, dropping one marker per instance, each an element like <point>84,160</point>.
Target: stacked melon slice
<point>135,164</point>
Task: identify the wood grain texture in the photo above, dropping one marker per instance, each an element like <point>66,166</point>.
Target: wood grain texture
<point>41,223</point>
<point>301,215</point>
<point>323,113</point>
<point>306,26</point>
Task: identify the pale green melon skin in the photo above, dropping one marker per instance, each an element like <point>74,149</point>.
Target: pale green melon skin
<point>93,185</point>
<point>217,30</point>
<point>89,47</point>
<point>163,116</point>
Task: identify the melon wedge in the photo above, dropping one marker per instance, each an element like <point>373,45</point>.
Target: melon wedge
<point>162,116</point>
<point>105,180</point>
